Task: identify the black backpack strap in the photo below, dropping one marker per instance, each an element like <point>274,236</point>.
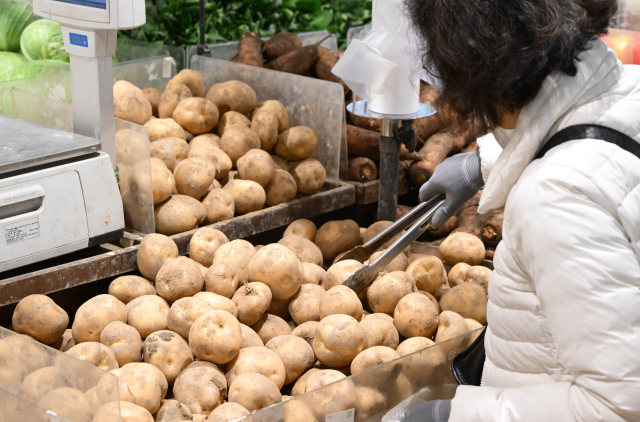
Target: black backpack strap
<point>602,133</point>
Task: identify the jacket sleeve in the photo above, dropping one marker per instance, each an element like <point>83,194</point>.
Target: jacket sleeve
<point>489,152</point>
<point>587,279</point>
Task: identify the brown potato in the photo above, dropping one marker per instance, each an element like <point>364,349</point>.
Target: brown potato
<point>134,107</point>
<point>336,237</point>
<point>257,359</point>
<point>237,141</point>
<point>340,300</point>
<point>302,227</point>
<point>252,300</point>
<point>479,275</point>
<point>238,252</point>
<point>124,341</point>
<point>415,316</point>
<point>205,139</point>
<point>300,387</point>
<point>379,330</point>
<point>215,337</point>
<point>139,383</point>
<point>281,189</point>
<point>306,331</point>
<point>94,315</point>
<point>40,317</point>
<point>413,344</point>
<point>204,244</point>
<point>458,274</point>
<point>254,391</point>
<point>164,128</point>
<point>219,205</point>
<point>339,272</point>
<point>227,412</point>
<point>234,96</point>
<point>32,355</point>
<point>277,109</point>
<point>170,99</point>
<point>385,293</point>
<point>147,314</point>
<point>338,340</point>
<point>154,251</point>
<point>468,300</point>
<point>475,326</point>
<point>442,289</point>
<point>432,298</point>
<point>428,273</point>
<point>270,326</point>
<point>196,115</point>
<point>122,86</point>
<point>178,214</point>
<point>309,176</point>
<point>184,312</point>
<point>36,384</point>
<point>128,412</point>
<point>168,352</point>
<point>153,95</point>
<point>248,196</point>
<point>373,356</point>
<point>231,119</point>
<point>462,247</point>
<point>96,354</point>
<point>208,151</point>
<point>169,150</point>
<point>295,353</point>
<point>191,79</point>
<point>313,274</point>
<point>265,124</point>
<point>68,403</point>
<point>250,338</point>
<point>218,302</point>
<point>193,177</point>
<point>256,165</point>
<point>280,163</point>
<point>173,411</point>
<point>162,181</point>
<point>327,401</point>
<point>178,278</point>
<point>305,305</point>
<point>201,386</point>
<point>278,268</point>
<point>305,250</point>
<point>296,143</point>
<point>222,279</point>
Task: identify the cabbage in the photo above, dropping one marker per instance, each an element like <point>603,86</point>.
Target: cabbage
<point>9,61</point>
<point>15,16</point>
<point>36,68</point>
<point>43,40</point>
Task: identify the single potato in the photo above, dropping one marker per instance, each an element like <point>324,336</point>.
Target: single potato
<point>309,175</point>
<point>219,159</point>
<point>153,95</point>
<point>129,287</point>
<point>68,403</point>
<point>124,341</point>
<point>227,412</point>
<point>178,278</point>
<point>305,305</point>
<point>239,253</point>
<point>154,251</point>
<point>336,237</point>
<point>305,250</point>
<point>313,274</point>
<point>385,293</point>
<point>162,181</point>
<point>428,273</point>
<point>341,300</point>
<point>96,354</point>
<point>248,196</point>
<point>281,189</point>
<point>234,96</point>
<point>295,353</point>
<point>254,391</point>
<point>191,79</point>
<point>133,106</point>
<point>296,143</point>
<point>277,267</point>
<point>277,109</point>
<point>256,165</point>
<point>178,214</point>
<point>452,326</point>
<point>139,383</point>
<point>183,314</point>
<point>219,205</point>
<point>170,99</point>
<point>339,339</point>
<point>148,314</point>
<point>373,356</point>
<point>462,247</point>
<point>231,119</point>
<point>215,337</point>
<point>413,344</point>
<point>204,244</point>
<point>265,124</point>
<point>415,316</point>
<point>128,412</point>
<point>270,326</point>
<point>173,411</point>
<point>302,227</point>
<point>257,359</point>
<point>237,141</point>
<point>306,331</point>
<point>39,317</point>
<point>379,330</point>
<point>94,315</point>
<point>339,272</point>
<point>122,86</point>
<point>168,352</point>
<point>222,279</point>
<point>468,300</point>
<point>252,301</point>
<point>201,386</point>
<point>196,115</point>
<point>250,338</point>
<point>218,302</point>
<point>164,128</point>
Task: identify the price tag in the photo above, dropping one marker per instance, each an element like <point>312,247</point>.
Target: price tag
<point>344,416</point>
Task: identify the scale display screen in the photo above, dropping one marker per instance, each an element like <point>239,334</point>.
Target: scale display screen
<point>98,4</point>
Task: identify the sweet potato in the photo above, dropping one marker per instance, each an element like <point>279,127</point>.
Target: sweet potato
<point>434,151</point>
<point>470,147</point>
<point>492,229</point>
<point>366,143</point>
<point>281,44</point>
<point>326,60</point>
<point>249,50</point>
<point>298,61</point>
<point>362,169</point>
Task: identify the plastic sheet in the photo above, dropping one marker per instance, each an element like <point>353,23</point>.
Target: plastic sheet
<point>358,32</point>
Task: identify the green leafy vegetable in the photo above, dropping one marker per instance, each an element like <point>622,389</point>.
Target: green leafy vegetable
<point>9,61</point>
<point>43,40</point>
<point>15,16</point>
<point>36,68</point>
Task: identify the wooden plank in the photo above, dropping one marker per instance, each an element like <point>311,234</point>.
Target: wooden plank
<point>122,261</point>
<point>367,192</point>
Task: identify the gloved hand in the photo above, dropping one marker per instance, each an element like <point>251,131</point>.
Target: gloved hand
<point>429,411</point>
<point>459,178</point>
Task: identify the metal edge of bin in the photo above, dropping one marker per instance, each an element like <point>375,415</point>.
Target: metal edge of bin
<point>367,192</point>
<point>114,263</point>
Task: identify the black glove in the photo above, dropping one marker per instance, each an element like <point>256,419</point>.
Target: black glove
<point>430,411</point>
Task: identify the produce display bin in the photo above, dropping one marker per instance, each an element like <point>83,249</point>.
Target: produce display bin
<point>226,50</point>
<point>129,50</point>
<point>30,373</point>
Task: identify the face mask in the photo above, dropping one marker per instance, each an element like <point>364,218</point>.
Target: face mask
<point>503,135</point>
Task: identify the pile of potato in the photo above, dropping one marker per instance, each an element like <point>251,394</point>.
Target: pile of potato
<point>218,154</point>
<point>217,335</point>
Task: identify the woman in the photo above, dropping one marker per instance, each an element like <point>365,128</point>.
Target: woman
<point>563,336</point>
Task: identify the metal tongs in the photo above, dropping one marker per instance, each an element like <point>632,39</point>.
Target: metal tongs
<point>365,276</point>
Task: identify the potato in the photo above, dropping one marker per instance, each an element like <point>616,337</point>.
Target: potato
<point>300,387</point>
<point>336,237</point>
<point>413,344</point>
<point>256,359</point>
<point>428,273</point>
<point>302,227</point>
<point>270,326</point>
<point>256,165</point>
<point>129,287</point>
<point>206,139</point>
<point>462,247</point>
<point>238,253</point>
<point>313,274</point>
<point>249,337</point>
<point>168,352</point>
<point>473,325</point>
<point>254,391</point>
<point>178,214</point>
<point>265,124</point>
<point>385,293</point>
<point>309,175</point>
<point>219,205</point>
<point>442,289</point>
<point>278,268</point>
<point>201,386</point>
<point>222,279</point>
<point>179,278</point>
<point>234,96</point>
<point>204,244</point>
<point>196,115</point>
<point>341,300</point>
<point>139,383</point>
<point>452,326</point>
<point>124,341</point>
<point>162,181</point>
<point>305,305</point>
<point>11,374</point>
<point>191,79</point>
<point>68,403</point>
<point>227,412</point>
<point>296,355</point>
<point>237,141</point>
<point>173,411</point>
<point>468,300</point>
<point>193,177</point>
<point>296,143</point>
<point>122,86</point>
<point>184,312</point>
<point>218,302</point>
<point>379,330</point>
<point>220,160</point>
<point>281,189</point>
<point>41,318</point>
<point>432,298</point>
<point>280,308</point>
<point>338,340</point>
<point>231,119</point>
<point>369,402</point>
<point>32,355</point>
<point>164,128</point>
<point>305,250</point>
<point>327,401</point>
<point>154,251</point>
<point>280,163</point>
<point>399,263</point>
<point>458,274</point>
<point>148,314</point>
<point>94,315</point>
<point>153,95</point>
<point>306,331</point>
<point>339,272</point>
<point>129,412</point>
<point>277,109</point>
<point>373,356</point>
<point>134,107</point>
<point>248,196</point>
<point>415,316</point>
<point>378,227</point>
<point>215,337</point>
<point>96,354</point>
<point>170,99</point>
<point>479,275</point>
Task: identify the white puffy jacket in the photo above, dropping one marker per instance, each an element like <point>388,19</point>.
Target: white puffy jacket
<point>563,342</point>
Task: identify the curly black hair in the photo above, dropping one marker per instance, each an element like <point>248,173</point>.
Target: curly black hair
<point>493,55</point>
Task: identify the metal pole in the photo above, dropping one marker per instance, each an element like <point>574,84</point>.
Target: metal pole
<point>202,48</point>
<point>389,161</point>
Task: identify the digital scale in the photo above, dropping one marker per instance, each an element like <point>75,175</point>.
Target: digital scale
<point>58,190</point>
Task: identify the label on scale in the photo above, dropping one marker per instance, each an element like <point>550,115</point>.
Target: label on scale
<point>22,230</point>
<point>79,39</point>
